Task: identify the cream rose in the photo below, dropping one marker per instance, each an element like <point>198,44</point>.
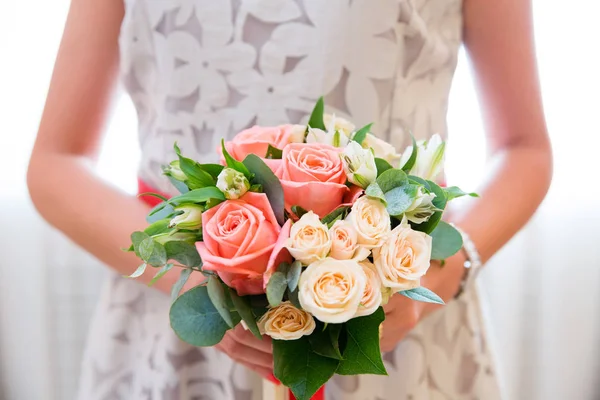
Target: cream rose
<point>371,221</point>
<point>372,297</point>
<point>286,322</point>
<point>403,258</point>
<point>344,242</point>
<point>309,239</point>
<point>331,290</point>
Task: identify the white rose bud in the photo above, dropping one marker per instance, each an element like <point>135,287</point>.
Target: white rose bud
<point>174,170</point>
<point>332,138</point>
<point>403,258</point>
<point>286,322</point>
<point>430,158</point>
<point>331,290</point>
<point>232,183</point>
<point>371,221</point>
<point>422,207</point>
<point>359,164</point>
<point>344,242</point>
<point>333,124</point>
<point>190,217</point>
<point>372,297</point>
<point>382,149</point>
<point>309,239</point>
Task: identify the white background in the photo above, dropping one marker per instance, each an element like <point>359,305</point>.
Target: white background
<point>543,288</point>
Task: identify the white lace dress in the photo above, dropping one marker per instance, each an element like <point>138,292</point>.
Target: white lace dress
<point>198,70</point>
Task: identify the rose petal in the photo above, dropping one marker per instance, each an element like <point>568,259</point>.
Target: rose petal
<point>320,197</point>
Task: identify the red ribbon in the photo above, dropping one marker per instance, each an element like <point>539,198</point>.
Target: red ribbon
<point>152,201</point>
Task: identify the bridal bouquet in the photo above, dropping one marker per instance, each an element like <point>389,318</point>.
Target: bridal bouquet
<point>303,234</point>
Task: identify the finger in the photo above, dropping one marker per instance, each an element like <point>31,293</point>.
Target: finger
<point>247,338</point>
<point>244,354</point>
<point>266,373</point>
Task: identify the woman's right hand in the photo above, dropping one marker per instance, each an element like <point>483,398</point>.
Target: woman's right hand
<point>243,347</point>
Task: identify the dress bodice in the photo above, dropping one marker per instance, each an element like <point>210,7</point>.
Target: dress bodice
<point>200,70</point>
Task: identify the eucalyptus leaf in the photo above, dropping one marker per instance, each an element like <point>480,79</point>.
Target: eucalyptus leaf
<point>270,183</point>
<point>413,156</point>
<point>361,134</point>
<point>138,272</point>
<point>216,293</point>
<point>362,354</point>
<point>184,253</point>
<point>374,191</point>
<point>393,188</point>
<point>180,283</point>
<point>391,179</point>
<point>423,295</point>
<point>180,186</point>
<point>276,288</point>
<point>292,296</point>
<point>198,195</point>
<point>382,165</point>
<point>233,163</point>
<point>299,368</point>
<point>196,321</point>
<point>293,275</point>
<point>446,241</point>
<point>136,239</point>
<point>153,252</point>
<point>161,272</point>
<point>400,199</point>
<point>242,306</point>
<point>419,181</point>
<point>454,192</point>
<point>316,117</point>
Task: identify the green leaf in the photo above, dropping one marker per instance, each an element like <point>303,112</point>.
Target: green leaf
<point>361,134</point>
<point>160,226</point>
<point>166,268</point>
<point>382,165</point>
<point>391,179</point>
<point>153,252</point>
<point>160,211</point>
<point>136,239</point>
<point>299,211</point>
<point>242,305</point>
<point>413,156</point>
<point>419,181</point>
<point>196,176</point>
<point>454,192</point>
<point>293,275</point>
<point>325,342</point>
<point>440,203</point>
<point>446,241</point>
<point>216,293</point>
<point>213,169</point>
<point>235,164</point>
<point>362,354</point>
<point>198,195</point>
<point>177,286</point>
<point>138,272</point>
<point>184,253</point>
<point>195,320</point>
<point>393,188</point>
<point>150,194</point>
<point>335,214</point>
<point>316,117</point>
<point>400,199</point>
<point>274,153</point>
<point>293,298</point>
<point>422,294</point>
<point>299,368</point>
<point>276,288</point>
<point>270,183</point>
<point>374,191</point>
<point>180,186</point>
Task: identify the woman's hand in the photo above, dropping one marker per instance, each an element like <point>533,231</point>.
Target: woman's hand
<point>241,345</point>
<point>403,314</point>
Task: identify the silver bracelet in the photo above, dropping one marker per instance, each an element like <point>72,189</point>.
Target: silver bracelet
<point>472,263</point>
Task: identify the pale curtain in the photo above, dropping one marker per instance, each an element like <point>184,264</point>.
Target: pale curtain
<point>542,288</point>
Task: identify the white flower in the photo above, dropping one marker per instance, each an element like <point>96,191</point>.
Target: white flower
<point>403,258</point>
<point>337,124</point>
<point>422,207</point>
<point>344,242</point>
<point>309,239</point>
<point>163,238</point>
<point>382,149</point>
<point>359,164</point>
<point>190,217</point>
<point>332,138</point>
<point>286,322</point>
<point>174,170</point>
<point>371,221</point>
<point>372,296</point>
<point>297,133</point>
<point>232,183</point>
<point>430,158</point>
<point>331,290</point>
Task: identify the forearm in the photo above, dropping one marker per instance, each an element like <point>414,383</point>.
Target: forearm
<point>96,216</point>
<point>518,179</point>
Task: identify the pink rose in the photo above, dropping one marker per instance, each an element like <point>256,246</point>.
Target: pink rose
<point>257,139</point>
<point>238,239</point>
<point>312,176</point>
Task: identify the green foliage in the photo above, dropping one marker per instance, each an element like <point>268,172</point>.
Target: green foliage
<point>201,195</point>
<point>216,293</point>
<point>422,294</point>
<point>197,177</point>
<point>393,188</point>
<point>454,192</point>
<point>299,211</point>
<point>270,183</point>
<point>244,309</point>
<point>413,156</point>
<point>361,134</point>
<point>152,252</point>
<point>446,241</point>
<point>276,288</point>
<point>325,340</point>
<point>337,214</point>
<point>293,275</point>
<point>177,286</point>
<point>138,272</point>
<point>382,165</point>
<point>183,252</point>
<point>166,268</point>
<point>274,153</point>
<point>233,163</point>
<point>316,117</point>
<point>439,202</point>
